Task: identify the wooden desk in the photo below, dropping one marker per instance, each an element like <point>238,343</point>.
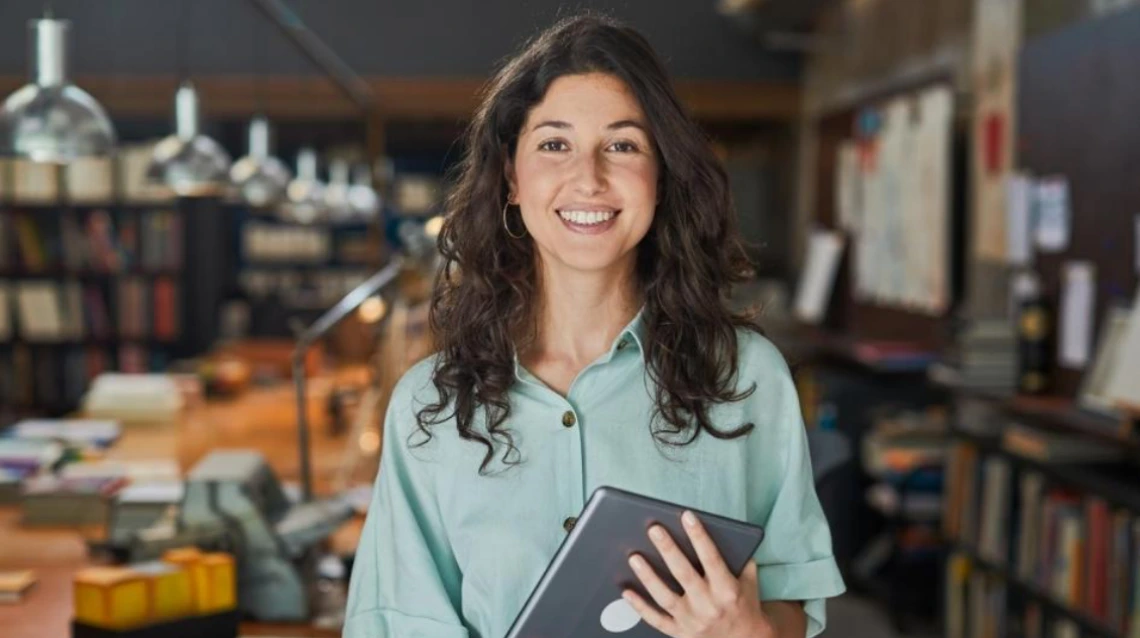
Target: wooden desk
<point>261,419</point>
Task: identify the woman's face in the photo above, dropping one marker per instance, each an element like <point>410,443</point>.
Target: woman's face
<point>584,174</point>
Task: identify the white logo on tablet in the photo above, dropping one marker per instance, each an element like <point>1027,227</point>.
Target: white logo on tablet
<point>618,616</point>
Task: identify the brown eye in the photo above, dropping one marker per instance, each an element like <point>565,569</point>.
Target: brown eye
<point>624,147</point>
<point>552,145</point>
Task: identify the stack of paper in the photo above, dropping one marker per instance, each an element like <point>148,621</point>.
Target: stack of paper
<point>133,398</point>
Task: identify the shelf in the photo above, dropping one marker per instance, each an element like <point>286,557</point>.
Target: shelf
<point>806,343</point>
<point>1087,623</point>
<point>95,341</point>
<point>1108,481</point>
<point>61,273</point>
<point>1056,413</point>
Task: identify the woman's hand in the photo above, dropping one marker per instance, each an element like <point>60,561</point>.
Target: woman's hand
<point>717,605</point>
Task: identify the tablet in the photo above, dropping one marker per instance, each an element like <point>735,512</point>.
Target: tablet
<point>579,594</point>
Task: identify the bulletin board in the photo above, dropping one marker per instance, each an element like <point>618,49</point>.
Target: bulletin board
<point>1078,111</point>
<point>863,319</point>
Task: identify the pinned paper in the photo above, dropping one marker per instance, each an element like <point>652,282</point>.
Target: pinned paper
<point>818,278</point>
<point>1019,219</point>
<point>1053,214</point>
<point>1136,244</point>
<point>1078,301</point>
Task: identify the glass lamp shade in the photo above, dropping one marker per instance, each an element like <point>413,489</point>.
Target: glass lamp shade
<point>305,195</point>
<point>260,178</point>
<point>50,119</point>
<point>336,192</point>
<point>362,198</point>
<point>187,162</point>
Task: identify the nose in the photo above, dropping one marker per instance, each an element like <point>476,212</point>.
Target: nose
<point>589,175</point>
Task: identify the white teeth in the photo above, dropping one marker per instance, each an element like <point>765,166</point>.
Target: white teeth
<point>585,218</point>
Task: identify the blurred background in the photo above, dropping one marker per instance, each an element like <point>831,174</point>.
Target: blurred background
<point>217,225</point>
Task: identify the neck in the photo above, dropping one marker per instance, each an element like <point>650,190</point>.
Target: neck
<point>582,313</point>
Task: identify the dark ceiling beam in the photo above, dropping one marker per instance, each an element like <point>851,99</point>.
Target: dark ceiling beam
<point>434,98</point>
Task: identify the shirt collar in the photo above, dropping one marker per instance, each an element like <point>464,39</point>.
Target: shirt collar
<point>634,333</point>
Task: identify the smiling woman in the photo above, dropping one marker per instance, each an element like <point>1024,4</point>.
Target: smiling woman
<point>584,339</point>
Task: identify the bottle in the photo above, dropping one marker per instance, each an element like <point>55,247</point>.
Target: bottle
<point>1034,325</point>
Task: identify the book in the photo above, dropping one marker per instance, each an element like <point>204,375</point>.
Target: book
<point>89,180</point>
<point>5,312</point>
<point>14,585</point>
<point>85,432</point>
<point>34,182</point>
<point>1057,447</point>
<point>39,311</point>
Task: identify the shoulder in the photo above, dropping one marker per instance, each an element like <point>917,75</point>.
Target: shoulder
<point>412,392</point>
<point>759,360</point>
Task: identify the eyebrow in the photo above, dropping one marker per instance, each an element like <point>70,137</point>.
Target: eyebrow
<point>560,124</point>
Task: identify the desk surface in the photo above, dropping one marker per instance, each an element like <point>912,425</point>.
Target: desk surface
<point>262,419</point>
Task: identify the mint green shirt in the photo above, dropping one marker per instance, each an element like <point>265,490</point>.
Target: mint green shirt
<point>448,553</point>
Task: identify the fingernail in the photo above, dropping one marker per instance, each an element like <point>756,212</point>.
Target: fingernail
<point>656,534</point>
<point>635,561</point>
<point>689,519</point>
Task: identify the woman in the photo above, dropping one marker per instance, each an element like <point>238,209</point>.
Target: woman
<point>584,340</point>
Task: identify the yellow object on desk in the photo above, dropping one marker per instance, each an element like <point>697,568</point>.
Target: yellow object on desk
<point>169,588</point>
<point>222,580</point>
<point>111,597</point>
<point>212,576</point>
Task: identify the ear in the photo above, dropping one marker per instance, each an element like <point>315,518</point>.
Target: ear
<point>512,180</point>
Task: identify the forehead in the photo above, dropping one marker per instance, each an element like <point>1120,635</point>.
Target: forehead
<point>584,99</point>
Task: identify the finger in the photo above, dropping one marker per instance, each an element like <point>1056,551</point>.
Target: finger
<point>678,564</point>
<point>666,598</point>
<point>659,621</point>
<point>750,580</point>
<point>716,571</point>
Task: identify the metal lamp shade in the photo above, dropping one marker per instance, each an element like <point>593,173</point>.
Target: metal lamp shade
<point>187,162</point>
<point>50,119</point>
<point>260,178</point>
<point>306,194</point>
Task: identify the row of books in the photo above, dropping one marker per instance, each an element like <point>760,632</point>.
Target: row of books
<point>1072,546</point>
<point>308,289</point>
<point>95,180</point>
<point>44,311</point>
<point>91,241</point>
<point>277,243</point>
<point>52,377</point>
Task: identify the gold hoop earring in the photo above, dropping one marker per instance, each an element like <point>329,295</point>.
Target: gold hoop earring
<point>507,227</point>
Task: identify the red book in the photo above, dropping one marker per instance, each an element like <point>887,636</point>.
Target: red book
<point>1096,574</point>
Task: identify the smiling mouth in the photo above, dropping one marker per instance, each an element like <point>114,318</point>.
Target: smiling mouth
<point>588,217</point>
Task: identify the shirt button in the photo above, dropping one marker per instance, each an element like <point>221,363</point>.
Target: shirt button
<point>569,524</point>
<point>568,419</point>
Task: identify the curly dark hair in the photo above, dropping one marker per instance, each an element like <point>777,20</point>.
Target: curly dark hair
<point>486,299</point>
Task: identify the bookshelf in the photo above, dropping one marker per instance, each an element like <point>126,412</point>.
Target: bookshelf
<point>1057,541</point>
<point>300,270</point>
<point>96,277</point>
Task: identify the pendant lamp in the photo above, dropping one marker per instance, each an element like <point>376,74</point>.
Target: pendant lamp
<point>187,162</point>
<point>362,197</point>
<point>260,178</point>
<point>336,191</point>
<point>305,196</point>
<point>50,119</point>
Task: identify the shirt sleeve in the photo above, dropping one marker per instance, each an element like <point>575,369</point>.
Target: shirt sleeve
<point>795,560</point>
<point>405,580</point>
